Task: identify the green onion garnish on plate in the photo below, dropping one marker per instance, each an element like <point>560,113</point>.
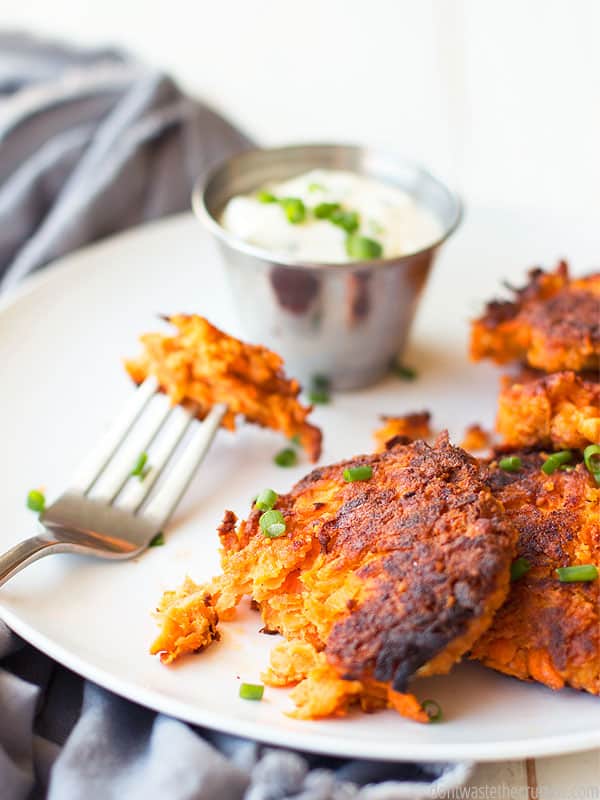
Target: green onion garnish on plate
<point>581,573</point>
<point>36,501</point>
<point>433,710</point>
<point>138,470</point>
<point>319,391</point>
<point>404,372</point>
<point>556,460</point>
<point>510,464</point>
<point>286,457</point>
<point>361,248</point>
<point>272,523</point>
<point>591,458</point>
<point>158,540</point>
<point>252,691</point>
<point>518,568</point>
<point>266,500</point>
<point>362,473</point>
<point>316,187</point>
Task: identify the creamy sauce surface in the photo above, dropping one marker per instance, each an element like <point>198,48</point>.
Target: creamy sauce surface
<point>386,214</point>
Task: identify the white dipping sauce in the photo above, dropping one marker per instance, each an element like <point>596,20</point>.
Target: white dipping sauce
<point>387,215</point>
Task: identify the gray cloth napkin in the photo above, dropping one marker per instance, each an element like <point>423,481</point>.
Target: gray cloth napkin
<point>92,143</point>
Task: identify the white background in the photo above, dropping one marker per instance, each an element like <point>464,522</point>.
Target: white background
<point>502,97</point>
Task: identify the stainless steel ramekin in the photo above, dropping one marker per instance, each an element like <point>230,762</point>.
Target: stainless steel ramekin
<point>346,322</point>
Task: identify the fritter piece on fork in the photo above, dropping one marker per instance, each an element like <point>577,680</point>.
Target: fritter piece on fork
<point>548,631</point>
<point>374,581</point>
<point>556,411</point>
<point>552,324</point>
<point>201,365</point>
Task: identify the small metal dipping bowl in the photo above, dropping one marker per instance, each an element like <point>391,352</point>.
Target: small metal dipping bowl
<point>346,322</point>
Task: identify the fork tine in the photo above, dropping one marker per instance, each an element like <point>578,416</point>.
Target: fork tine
<point>167,497</point>
<point>118,470</point>
<point>135,494</point>
<point>101,454</point>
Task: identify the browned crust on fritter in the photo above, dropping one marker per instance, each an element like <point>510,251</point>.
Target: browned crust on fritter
<point>557,411</point>
<point>549,631</point>
<point>200,366</point>
<point>402,429</point>
<point>553,323</point>
<point>445,544</point>
<point>383,574</point>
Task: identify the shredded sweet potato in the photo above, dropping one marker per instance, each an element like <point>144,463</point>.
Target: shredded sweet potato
<point>200,366</point>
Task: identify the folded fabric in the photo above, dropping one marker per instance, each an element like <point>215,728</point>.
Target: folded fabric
<point>92,143</point>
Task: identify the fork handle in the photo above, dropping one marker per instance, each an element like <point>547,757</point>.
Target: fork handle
<point>26,552</point>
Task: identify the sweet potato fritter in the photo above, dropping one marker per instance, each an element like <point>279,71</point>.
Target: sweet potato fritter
<point>384,578</point>
<point>552,324</point>
<point>560,411</point>
<point>398,430</point>
<point>549,631</point>
<point>200,366</point>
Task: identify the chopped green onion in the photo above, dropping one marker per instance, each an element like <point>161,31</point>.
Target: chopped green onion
<point>510,464</point>
<point>275,530</point>
<point>362,248</point>
<point>286,458</point>
<point>591,457</point>
<point>138,469</point>
<point>348,220</point>
<point>556,460</point>
<point>362,473</point>
<point>567,468</point>
<point>319,390</point>
<point>158,540</point>
<point>404,372</point>
<point>433,710</point>
<point>518,568</point>
<point>265,197</point>
<point>294,209</point>
<point>317,397</point>
<point>295,440</point>
<point>266,500</point>
<point>272,523</point>
<point>577,574</point>
<point>252,691</point>
<point>36,501</point>
<point>316,187</point>
<point>325,210</point>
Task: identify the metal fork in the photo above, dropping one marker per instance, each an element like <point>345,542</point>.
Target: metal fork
<point>87,519</point>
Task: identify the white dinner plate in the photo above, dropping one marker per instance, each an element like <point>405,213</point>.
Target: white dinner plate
<point>62,338</point>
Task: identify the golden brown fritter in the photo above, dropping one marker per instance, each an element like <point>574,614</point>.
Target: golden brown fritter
<point>552,324</point>
<point>549,631</point>
<point>200,366</point>
<point>398,430</point>
<point>384,578</point>
<point>560,411</point>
